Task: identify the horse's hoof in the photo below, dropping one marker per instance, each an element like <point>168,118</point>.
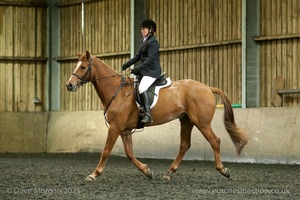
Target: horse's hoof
<point>226,172</point>
<point>90,178</point>
<point>166,177</point>
<point>149,173</point>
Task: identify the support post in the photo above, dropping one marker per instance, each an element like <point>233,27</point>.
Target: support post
<point>53,68</point>
<point>250,54</point>
<point>139,12</point>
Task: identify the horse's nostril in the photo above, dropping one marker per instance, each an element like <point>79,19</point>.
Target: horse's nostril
<point>69,86</point>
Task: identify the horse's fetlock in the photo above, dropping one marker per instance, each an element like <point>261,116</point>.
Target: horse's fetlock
<point>97,172</point>
<point>173,169</point>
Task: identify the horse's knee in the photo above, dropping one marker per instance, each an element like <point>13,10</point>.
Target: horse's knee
<point>184,147</point>
<point>128,152</point>
<point>105,153</point>
<point>218,141</point>
<point>216,144</point>
<point>129,155</point>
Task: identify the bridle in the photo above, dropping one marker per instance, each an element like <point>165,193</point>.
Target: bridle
<point>83,79</point>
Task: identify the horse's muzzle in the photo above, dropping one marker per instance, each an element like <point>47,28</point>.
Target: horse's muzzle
<point>71,87</point>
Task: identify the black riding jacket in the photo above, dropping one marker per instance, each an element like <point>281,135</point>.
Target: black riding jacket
<point>148,54</point>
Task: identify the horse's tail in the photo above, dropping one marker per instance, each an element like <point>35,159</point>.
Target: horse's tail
<point>237,135</point>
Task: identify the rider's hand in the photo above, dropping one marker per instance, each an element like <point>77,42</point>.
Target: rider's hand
<point>124,67</point>
<point>134,71</point>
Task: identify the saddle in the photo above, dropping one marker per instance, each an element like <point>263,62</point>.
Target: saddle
<point>153,93</point>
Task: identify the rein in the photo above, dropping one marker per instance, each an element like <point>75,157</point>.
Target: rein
<point>83,80</point>
<point>114,96</point>
<point>123,83</point>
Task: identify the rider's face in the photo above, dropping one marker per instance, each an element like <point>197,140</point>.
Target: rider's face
<point>144,31</point>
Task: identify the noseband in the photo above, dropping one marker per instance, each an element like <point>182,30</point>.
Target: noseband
<point>83,79</point>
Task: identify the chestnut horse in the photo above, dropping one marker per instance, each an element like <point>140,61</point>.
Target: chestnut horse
<point>191,101</point>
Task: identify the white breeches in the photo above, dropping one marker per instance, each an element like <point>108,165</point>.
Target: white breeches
<point>145,83</point>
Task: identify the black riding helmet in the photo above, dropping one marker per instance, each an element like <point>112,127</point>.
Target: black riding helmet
<point>149,23</point>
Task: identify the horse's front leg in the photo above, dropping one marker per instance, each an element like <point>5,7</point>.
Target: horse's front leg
<point>110,142</point>
<point>127,142</point>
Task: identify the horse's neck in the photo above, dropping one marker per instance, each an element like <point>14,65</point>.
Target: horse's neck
<point>107,82</point>
<point>104,69</point>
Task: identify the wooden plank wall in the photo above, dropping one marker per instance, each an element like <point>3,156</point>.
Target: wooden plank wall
<point>201,40</point>
<point>280,47</point>
<point>23,29</point>
<point>105,32</point>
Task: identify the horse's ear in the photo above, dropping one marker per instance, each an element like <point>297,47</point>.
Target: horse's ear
<point>87,53</point>
<point>78,54</point>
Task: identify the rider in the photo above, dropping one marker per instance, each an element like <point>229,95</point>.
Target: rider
<point>150,68</point>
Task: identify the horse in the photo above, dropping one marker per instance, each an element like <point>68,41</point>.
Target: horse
<point>190,101</point>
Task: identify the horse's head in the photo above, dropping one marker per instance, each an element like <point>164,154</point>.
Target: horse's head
<point>82,73</point>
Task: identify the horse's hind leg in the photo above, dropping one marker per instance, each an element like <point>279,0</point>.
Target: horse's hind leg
<point>185,144</point>
<point>214,141</point>
<point>127,143</point>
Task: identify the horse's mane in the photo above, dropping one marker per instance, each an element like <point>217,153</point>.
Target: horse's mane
<point>104,63</point>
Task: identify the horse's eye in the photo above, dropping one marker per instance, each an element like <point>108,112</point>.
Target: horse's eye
<point>83,67</point>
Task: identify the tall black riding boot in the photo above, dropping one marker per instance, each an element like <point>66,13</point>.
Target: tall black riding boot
<point>147,117</point>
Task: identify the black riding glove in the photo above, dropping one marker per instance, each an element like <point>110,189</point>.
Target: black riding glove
<point>134,71</point>
<point>124,67</point>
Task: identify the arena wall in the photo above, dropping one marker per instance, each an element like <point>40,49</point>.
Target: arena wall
<point>274,132</point>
